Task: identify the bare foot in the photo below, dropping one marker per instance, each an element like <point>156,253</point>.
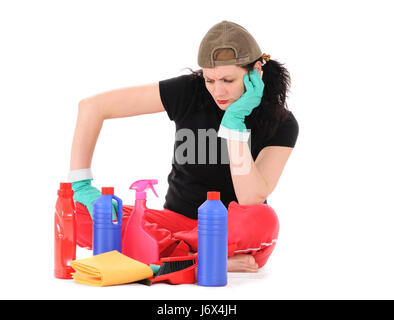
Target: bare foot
<point>239,263</point>
<point>242,263</point>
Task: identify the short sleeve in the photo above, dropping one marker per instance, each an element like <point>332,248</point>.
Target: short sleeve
<point>178,96</point>
<point>286,135</point>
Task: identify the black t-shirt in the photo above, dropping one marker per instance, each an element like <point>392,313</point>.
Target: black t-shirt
<point>197,119</point>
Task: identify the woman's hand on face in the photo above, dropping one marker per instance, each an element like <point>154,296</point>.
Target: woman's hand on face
<point>233,121</point>
<point>244,106</point>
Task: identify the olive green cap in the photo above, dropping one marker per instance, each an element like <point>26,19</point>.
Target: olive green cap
<point>228,35</point>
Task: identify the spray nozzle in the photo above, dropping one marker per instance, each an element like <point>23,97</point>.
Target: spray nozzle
<point>141,186</point>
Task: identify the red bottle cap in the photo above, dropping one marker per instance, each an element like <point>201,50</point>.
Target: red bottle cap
<point>213,195</point>
<point>65,190</point>
<point>107,190</point>
<point>65,185</point>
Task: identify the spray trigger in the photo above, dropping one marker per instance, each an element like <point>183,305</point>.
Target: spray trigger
<point>142,185</point>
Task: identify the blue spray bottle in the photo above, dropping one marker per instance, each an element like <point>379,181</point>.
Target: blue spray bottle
<point>212,242</point>
<point>107,234</point>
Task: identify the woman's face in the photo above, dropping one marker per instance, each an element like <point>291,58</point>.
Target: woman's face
<point>225,84</point>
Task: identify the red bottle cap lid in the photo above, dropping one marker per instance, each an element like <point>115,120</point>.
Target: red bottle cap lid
<point>65,190</point>
<point>107,190</point>
<point>213,195</point>
<point>65,185</point>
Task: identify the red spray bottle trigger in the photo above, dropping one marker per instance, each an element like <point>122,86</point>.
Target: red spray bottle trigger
<point>141,186</point>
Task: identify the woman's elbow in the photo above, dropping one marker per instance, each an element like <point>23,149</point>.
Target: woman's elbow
<point>84,104</point>
<point>252,199</point>
<point>88,106</point>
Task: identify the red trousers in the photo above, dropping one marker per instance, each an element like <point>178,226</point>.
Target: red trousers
<point>252,229</point>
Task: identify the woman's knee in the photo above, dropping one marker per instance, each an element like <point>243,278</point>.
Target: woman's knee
<point>270,219</point>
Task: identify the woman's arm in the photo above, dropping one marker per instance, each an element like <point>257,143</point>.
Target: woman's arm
<point>118,103</point>
<point>254,180</point>
<point>89,123</point>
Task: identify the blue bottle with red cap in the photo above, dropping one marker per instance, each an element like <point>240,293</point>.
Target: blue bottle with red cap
<point>107,233</point>
<point>212,242</point>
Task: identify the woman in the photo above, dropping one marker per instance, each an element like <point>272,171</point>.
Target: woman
<point>238,101</point>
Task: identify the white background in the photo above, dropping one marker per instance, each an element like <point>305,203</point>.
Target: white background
<point>333,200</point>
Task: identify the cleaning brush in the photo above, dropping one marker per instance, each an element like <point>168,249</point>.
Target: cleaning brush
<point>177,270</point>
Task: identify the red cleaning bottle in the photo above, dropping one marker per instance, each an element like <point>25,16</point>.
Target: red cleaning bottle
<point>138,243</point>
<point>65,232</point>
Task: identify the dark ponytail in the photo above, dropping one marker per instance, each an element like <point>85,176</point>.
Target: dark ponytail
<point>273,107</point>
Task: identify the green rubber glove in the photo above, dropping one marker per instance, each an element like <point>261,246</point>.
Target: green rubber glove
<point>86,194</point>
<point>233,125</point>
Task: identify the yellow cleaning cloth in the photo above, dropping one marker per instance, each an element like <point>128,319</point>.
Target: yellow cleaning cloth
<point>110,268</point>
